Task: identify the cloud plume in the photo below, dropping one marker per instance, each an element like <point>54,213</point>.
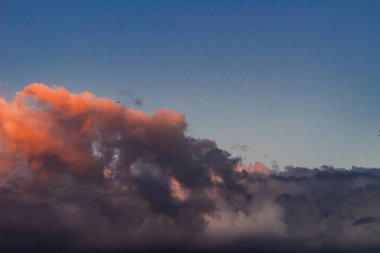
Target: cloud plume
<point>81,173</point>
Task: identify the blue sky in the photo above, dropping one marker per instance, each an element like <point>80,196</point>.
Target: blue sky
<point>296,81</point>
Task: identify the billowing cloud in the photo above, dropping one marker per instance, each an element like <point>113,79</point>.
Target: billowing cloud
<point>81,173</point>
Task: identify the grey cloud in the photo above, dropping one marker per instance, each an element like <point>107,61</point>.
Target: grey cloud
<point>112,179</point>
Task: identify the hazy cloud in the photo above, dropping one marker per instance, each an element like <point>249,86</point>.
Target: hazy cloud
<point>81,173</point>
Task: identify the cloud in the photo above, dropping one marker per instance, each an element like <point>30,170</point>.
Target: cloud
<point>81,173</point>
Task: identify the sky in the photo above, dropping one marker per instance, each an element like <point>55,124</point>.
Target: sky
<point>143,166</point>
<point>295,81</point>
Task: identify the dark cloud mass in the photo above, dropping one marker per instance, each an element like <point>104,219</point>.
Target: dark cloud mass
<point>82,174</point>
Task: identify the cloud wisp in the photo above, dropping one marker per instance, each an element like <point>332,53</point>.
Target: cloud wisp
<point>81,173</point>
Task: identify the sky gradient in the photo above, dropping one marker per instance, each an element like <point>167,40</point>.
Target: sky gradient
<point>296,81</point>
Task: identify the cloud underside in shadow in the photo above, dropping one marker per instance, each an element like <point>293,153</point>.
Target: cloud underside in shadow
<point>81,173</point>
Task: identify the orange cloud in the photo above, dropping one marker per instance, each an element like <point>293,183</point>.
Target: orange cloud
<point>258,167</point>
<point>53,129</point>
<point>178,192</point>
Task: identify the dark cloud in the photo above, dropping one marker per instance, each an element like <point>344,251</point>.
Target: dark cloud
<point>83,174</point>
<point>364,220</point>
<point>130,97</point>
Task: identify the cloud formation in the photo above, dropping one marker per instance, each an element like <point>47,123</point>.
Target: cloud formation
<point>81,173</point>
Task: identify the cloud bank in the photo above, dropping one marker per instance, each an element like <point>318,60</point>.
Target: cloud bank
<point>80,173</point>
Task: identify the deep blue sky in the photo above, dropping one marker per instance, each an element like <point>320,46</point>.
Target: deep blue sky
<point>296,81</point>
